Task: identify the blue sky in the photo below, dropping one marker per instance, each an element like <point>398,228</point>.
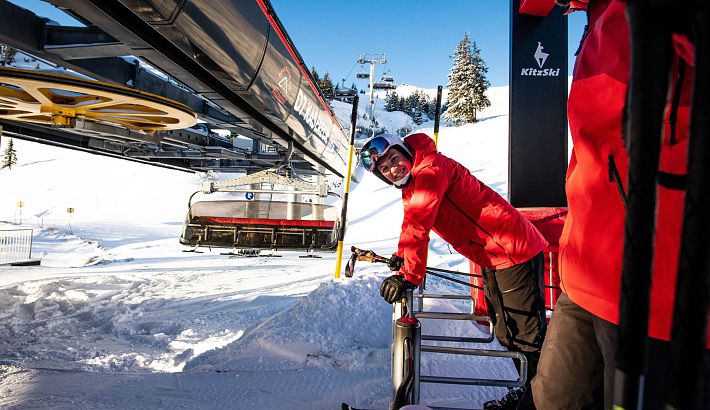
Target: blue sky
<point>418,36</point>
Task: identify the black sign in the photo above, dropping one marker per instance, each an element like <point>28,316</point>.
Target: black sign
<point>538,109</point>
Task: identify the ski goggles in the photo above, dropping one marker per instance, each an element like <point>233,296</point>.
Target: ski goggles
<point>372,151</point>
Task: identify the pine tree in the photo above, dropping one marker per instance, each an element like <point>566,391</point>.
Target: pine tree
<point>315,75</point>
<point>431,109</point>
<point>326,86</point>
<point>421,101</point>
<point>9,156</point>
<point>480,82</point>
<point>467,83</point>
<point>418,117</point>
<point>391,102</point>
<point>7,54</point>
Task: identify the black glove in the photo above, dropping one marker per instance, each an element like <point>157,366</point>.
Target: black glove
<point>394,287</point>
<point>395,263</point>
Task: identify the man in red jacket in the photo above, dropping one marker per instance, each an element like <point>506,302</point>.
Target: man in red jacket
<point>577,362</point>
<point>442,195</point>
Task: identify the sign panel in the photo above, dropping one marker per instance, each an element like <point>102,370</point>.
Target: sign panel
<point>538,109</point>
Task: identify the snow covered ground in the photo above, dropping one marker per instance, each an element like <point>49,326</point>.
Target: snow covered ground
<point>117,316</point>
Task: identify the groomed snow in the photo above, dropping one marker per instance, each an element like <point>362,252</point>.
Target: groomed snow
<point>118,316</point>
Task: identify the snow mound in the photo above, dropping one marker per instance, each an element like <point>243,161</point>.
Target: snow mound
<point>338,324</point>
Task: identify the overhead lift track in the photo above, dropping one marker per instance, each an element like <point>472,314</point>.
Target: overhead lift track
<point>116,27</point>
<point>133,30</point>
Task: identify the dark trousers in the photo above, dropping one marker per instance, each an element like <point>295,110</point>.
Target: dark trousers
<point>576,368</point>
<point>516,305</point>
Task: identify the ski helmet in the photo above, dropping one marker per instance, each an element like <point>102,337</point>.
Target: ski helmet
<point>377,146</point>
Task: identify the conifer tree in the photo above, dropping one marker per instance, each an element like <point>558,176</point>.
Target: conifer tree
<point>431,109</point>
<point>467,83</point>
<point>315,75</point>
<point>7,54</point>
<point>480,82</point>
<point>391,102</point>
<point>326,86</point>
<point>421,101</point>
<point>417,117</point>
<point>9,156</point>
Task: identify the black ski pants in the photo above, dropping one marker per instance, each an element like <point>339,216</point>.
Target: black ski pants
<point>576,369</point>
<point>516,305</point>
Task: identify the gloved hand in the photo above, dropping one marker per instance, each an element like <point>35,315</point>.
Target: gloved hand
<point>395,263</point>
<point>394,287</point>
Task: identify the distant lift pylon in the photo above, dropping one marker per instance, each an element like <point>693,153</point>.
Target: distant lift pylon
<point>372,59</point>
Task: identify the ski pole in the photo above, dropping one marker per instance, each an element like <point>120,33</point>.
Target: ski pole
<point>693,284</point>
<point>370,256</point>
<point>428,272</point>
<point>344,211</point>
<point>646,98</point>
<point>437,112</point>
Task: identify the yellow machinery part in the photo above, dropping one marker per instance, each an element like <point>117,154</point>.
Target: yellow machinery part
<point>57,100</point>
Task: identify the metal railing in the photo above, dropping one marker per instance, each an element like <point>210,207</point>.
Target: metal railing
<point>401,348</point>
<point>15,245</point>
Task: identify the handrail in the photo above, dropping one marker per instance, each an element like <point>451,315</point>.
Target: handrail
<point>472,381</point>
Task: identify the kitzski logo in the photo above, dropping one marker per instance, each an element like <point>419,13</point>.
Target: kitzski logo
<point>540,57</point>
<point>280,90</point>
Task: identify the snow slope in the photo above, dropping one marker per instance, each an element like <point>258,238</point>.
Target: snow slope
<point>117,316</point>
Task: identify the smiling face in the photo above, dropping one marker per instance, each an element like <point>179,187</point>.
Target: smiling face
<point>394,165</point>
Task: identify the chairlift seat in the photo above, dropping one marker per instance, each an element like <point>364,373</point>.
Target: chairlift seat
<point>384,86</point>
<point>264,221</point>
<point>345,93</point>
<point>261,225</point>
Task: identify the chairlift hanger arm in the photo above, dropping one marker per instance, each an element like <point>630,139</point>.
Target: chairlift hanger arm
<point>267,176</point>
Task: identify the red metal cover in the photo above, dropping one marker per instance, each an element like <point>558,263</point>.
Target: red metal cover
<point>536,7</point>
<point>272,222</point>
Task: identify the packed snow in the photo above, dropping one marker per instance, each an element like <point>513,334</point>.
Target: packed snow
<point>118,316</point>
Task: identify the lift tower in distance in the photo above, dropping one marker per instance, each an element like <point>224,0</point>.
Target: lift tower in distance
<point>372,59</point>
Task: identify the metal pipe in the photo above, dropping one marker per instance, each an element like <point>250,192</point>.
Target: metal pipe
<point>406,341</point>
<point>519,357</point>
<point>372,96</point>
<point>551,286</point>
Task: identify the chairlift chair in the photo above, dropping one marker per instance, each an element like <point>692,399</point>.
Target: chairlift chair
<point>345,92</point>
<point>383,86</point>
<point>262,224</point>
<point>387,78</point>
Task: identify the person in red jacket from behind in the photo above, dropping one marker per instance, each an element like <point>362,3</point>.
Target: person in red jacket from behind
<point>440,194</point>
<point>576,367</point>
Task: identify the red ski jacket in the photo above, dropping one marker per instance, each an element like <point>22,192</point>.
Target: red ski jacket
<point>591,245</point>
<point>443,195</point>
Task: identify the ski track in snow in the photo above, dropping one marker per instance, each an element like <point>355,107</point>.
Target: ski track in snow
<point>118,316</point>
